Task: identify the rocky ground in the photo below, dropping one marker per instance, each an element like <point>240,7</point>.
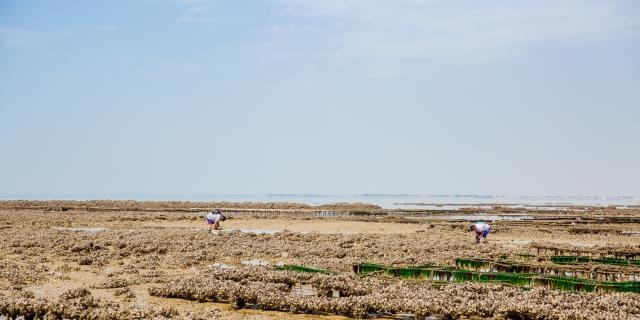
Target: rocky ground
<point>105,259</point>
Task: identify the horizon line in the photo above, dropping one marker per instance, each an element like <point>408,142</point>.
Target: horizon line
<point>17,196</point>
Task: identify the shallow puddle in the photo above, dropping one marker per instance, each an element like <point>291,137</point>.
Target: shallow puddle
<point>444,207</point>
<point>81,229</point>
<point>255,262</point>
<point>255,231</point>
<point>517,243</point>
<point>582,245</point>
<point>260,231</point>
<point>484,217</point>
<point>220,265</point>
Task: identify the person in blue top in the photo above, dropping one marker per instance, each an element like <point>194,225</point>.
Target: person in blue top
<point>481,229</point>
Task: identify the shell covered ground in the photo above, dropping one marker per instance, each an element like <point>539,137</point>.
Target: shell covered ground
<point>124,259</point>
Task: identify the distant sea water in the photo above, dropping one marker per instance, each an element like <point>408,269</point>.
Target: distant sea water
<point>388,201</point>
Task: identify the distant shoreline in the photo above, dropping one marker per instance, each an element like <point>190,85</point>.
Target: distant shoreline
<point>386,201</point>
<point>339,204</point>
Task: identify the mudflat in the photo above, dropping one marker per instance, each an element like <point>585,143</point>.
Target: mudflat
<point>129,259</point>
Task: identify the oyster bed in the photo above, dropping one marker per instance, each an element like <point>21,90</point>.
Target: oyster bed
<point>484,273</point>
<point>150,257</point>
<point>363,297</point>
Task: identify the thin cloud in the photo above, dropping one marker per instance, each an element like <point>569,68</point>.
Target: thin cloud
<point>19,37</point>
<point>196,11</point>
<point>442,31</point>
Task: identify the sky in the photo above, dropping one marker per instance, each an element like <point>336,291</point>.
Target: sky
<point>530,97</point>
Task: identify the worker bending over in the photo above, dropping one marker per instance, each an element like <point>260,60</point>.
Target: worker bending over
<point>213,219</point>
<point>481,229</point>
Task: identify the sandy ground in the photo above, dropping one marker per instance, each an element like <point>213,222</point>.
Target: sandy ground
<point>324,226</point>
<point>527,234</point>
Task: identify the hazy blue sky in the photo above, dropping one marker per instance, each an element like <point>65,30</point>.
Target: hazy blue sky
<point>320,96</point>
